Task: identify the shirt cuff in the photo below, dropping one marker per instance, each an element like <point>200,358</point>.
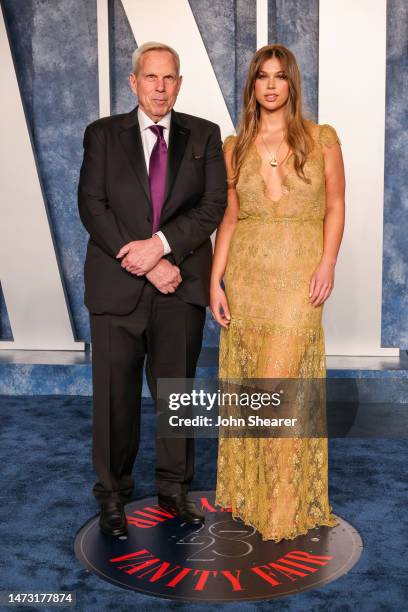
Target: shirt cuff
<point>163,238</point>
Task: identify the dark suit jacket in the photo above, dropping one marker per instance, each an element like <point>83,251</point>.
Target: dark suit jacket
<point>115,206</point>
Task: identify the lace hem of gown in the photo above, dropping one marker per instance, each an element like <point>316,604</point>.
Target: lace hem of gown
<point>329,521</point>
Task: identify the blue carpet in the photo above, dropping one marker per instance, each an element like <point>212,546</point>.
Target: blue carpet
<point>45,446</point>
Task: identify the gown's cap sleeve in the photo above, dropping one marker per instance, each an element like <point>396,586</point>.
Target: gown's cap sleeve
<point>328,135</point>
<point>229,142</point>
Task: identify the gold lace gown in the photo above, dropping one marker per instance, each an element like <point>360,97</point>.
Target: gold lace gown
<point>277,485</point>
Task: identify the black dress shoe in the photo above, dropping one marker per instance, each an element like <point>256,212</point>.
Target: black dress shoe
<point>183,507</point>
<point>112,520</point>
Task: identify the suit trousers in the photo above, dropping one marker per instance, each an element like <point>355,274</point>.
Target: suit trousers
<point>167,333</point>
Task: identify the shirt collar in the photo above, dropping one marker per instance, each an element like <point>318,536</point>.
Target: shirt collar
<point>145,121</point>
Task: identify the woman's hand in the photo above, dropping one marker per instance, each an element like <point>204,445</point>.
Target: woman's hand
<point>219,305</point>
<point>321,283</point>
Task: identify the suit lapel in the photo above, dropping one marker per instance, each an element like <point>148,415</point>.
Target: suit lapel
<point>179,136</point>
<point>132,144</point>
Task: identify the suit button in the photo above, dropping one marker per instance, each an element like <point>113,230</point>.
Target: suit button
<point>191,252</point>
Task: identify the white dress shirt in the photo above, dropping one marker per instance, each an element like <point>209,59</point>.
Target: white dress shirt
<point>148,141</point>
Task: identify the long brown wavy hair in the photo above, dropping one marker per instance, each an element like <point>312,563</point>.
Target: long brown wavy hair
<point>297,134</point>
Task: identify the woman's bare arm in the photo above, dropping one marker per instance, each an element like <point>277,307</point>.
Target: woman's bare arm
<point>218,301</point>
<point>322,281</point>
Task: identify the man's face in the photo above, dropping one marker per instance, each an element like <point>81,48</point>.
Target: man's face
<point>156,84</point>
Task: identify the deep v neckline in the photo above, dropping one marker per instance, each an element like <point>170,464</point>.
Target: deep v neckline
<point>283,184</point>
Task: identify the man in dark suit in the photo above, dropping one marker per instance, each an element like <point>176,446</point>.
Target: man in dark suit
<point>152,190</point>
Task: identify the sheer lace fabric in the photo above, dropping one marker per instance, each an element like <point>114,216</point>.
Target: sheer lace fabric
<point>277,485</point>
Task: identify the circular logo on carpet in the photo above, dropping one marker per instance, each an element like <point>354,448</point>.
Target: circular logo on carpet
<point>223,560</point>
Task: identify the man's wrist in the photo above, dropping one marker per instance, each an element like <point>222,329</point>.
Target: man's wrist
<point>164,242</point>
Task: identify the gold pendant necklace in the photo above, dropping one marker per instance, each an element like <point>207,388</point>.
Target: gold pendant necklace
<point>274,157</point>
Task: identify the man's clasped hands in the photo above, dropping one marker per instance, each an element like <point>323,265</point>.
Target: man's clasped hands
<point>145,258</point>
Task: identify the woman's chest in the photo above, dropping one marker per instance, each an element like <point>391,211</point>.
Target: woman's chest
<point>285,193</point>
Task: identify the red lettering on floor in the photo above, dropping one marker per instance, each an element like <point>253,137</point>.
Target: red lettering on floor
<point>269,576</point>
<point>236,586</point>
<point>204,575</point>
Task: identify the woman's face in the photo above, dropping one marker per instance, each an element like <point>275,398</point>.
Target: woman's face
<point>271,85</point>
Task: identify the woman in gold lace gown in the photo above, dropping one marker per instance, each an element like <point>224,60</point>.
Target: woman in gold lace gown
<point>276,250</point>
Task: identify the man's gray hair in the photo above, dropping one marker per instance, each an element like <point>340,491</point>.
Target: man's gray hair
<point>153,46</point>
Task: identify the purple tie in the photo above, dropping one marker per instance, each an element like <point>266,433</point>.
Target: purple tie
<point>157,173</point>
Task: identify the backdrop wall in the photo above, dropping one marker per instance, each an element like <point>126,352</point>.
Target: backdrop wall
<point>55,50</point>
